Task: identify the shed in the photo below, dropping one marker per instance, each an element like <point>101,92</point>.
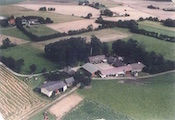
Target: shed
<point>137,67</point>
<point>53,86</point>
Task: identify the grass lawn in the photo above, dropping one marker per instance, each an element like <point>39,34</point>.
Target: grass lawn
<point>153,99</point>
<point>14,32</point>
<point>153,28</point>
<point>17,11</point>
<point>31,56</point>
<point>90,110</point>
<point>40,30</point>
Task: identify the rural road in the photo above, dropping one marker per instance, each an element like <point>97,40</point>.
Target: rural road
<point>111,78</point>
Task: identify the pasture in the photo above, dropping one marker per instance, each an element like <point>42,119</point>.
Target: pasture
<point>159,30</point>
<point>90,110</point>
<point>14,32</point>
<point>144,99</point>
<point>17,99</point>
<point>31,56</point>
<point>19,11</point>
<point>40,30</point>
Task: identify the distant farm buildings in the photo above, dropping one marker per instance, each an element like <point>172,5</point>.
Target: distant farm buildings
<point>111,67</point>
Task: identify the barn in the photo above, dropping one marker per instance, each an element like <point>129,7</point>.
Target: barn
<point>3,21</point>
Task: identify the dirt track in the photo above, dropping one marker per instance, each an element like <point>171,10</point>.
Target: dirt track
<point>65,105</point>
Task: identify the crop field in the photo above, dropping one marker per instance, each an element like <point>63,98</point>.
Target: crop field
<point>30,56</point>
<point>74,25</point>
<point>73,10</point>
<point>40,30</point>
<point>147,99</point>
<point>14,32</point>
<point>16,99</point>
<point>90,110</point>
<point>18,11</point>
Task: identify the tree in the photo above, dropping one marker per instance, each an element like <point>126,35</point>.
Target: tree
<point>89,15</point>
<point>33,68</point>
<point>105,49</point>
<point>7,43</point>
<point>96,46</point>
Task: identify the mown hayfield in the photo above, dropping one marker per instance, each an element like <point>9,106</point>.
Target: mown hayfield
<point>90,110</point>
<point>31,56</point>
<point>159,29</point>
<point>14,32</point>
<point>18,11</point>
<point>149,99</point>
<point>17,99</point>
<point>40,30</point>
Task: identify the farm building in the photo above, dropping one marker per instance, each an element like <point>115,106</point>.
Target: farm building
<point>115,61</point>
<point>115,71</point>
<point>91,68</point>
<point>97,59</point>
<point>53,86</point>
<point>69,81</point>
<point>134,68</point>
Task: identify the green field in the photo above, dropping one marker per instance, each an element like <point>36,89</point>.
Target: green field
<point>40,30</point>
<point>17,11</point>
<point>14,32</point>
<point>31,56</point>
<point>90,110</point>
<point>149,99</point>
<point>157,29</point>
<point>166,49</point>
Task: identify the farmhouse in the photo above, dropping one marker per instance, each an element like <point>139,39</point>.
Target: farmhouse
<point>54,86</point>
<point>115,71</point>
<point>91,68</point>
<point>97,59</point>
<point>69,81</point>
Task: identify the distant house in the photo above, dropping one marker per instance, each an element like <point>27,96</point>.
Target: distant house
<point>91,68</point>
<point>69,81</point>
<point>97,59</point>
<point>115,71</point>
<point>53,86</point>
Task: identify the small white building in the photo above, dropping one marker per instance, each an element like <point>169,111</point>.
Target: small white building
<point>53,86</point>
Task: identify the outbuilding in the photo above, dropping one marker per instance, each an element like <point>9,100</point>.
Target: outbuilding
<point>91,68</point>
<point>53,86</point>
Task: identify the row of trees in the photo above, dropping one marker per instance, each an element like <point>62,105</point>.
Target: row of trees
<point>13,64</point>
<point>152,7</point>
<point>69,51</point>
<point>45,9</point>
<point>169,23</point>
<point>133,26</point>
<point>133,52</point>
<point>6,43</point>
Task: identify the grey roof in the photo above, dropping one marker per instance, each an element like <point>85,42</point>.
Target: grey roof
<point>53,85</point>
<point>70,80</point>
<point>137,66</point>
<point>90,68</point>
<point>96,59</point>
<point>115,61</point>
